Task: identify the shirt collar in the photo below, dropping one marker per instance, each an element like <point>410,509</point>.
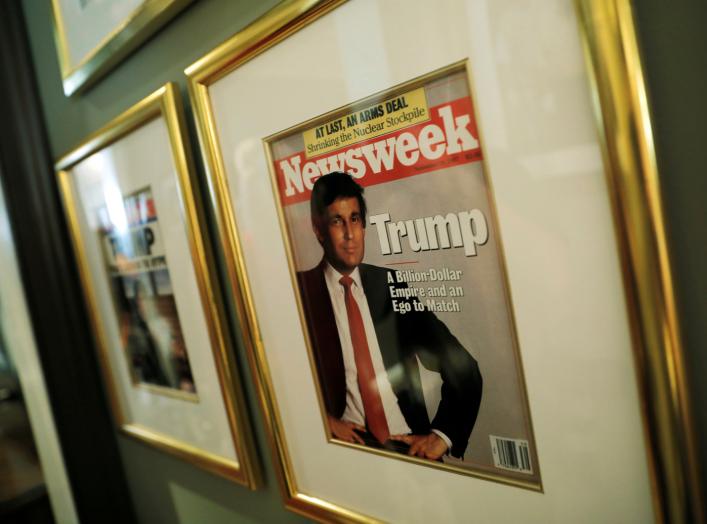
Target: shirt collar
<point>332,276</point>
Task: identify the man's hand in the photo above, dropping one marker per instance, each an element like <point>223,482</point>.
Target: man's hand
<point>426,446</point>
<point>344,430</point>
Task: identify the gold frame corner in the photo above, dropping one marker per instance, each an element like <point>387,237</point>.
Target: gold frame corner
<point>145,20</point>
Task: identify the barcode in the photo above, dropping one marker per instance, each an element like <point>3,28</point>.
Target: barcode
<point>511,454</point>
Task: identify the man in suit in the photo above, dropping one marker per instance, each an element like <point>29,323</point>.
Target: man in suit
<point>367,354</point>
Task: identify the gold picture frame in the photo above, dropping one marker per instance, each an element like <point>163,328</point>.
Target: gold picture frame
<point>604,31</point>
<point>83,63</point>
<point>165,354</point>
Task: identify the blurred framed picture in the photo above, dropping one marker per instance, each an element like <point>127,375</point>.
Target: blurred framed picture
<point>146,269</point>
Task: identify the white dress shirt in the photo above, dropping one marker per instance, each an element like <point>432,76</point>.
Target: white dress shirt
<point>354,411</point>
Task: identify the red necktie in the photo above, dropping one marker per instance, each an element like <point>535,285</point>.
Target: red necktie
<point>372,404</point>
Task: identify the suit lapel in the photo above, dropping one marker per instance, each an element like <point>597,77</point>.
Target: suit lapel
<point>385,321</point>
<point>325,339</point>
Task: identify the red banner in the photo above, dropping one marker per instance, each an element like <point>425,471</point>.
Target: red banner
<point>448,139</point>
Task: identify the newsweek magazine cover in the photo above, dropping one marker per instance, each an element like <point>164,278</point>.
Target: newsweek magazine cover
<point>150,330</point>
<point>429,283</point>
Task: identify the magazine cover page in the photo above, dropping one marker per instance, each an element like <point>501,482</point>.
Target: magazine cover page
<point>390,224</point>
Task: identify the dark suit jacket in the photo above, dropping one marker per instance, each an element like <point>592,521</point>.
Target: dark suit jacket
<point>401,338</point>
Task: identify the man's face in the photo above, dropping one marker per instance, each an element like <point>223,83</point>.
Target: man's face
<point>341,233</point>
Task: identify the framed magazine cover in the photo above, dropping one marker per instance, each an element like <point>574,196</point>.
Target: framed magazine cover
<point>493,216</point>
<point>93,36</point>
<point>147,273</point>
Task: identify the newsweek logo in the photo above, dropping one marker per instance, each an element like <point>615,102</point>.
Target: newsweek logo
<point>449,138</point>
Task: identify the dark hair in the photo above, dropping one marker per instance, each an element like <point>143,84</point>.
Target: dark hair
<point>328,188</point>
